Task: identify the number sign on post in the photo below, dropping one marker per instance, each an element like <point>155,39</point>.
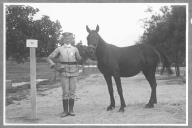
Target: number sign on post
<point>32,44</point>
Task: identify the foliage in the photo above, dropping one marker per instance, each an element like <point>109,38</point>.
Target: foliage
<point>18,26</point>
<point>82,51</point>
<point>167,32</point>
<point>21,26</point>
<point>47,33</point>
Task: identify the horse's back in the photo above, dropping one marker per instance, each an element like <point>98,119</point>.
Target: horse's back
<point>133,59</point>
<point>130,60</point>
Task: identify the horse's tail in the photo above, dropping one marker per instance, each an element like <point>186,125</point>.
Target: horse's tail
<point>165,61</point>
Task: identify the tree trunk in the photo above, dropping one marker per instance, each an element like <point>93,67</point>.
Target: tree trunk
<point>177,70</point>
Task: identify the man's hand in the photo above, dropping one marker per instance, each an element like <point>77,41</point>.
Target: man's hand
<point>56,68</point>
<point>52,66</point>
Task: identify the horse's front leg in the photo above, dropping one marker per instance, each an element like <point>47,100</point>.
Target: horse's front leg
<point>120,92</point>
<point>110,89</point>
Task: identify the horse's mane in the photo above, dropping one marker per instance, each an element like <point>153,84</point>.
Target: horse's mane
<point>105,43</point>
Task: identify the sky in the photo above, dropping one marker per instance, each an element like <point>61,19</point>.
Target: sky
<point>120,23</point>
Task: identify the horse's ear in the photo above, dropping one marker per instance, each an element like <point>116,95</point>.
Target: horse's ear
<point>97,28</point>
<point>88,30</point>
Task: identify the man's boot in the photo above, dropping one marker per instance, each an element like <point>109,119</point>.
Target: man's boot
<point>65,108</point>
<point>71,104</point>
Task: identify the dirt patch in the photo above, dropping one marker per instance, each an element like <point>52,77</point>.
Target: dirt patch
<point>92,99</point>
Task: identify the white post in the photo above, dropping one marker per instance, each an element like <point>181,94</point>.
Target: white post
<point>33,44</point>
<point>33,81</point>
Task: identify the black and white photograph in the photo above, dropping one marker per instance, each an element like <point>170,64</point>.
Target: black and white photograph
<point>95,64</point>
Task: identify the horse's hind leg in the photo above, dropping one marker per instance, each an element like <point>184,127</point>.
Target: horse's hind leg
<point>110,89</point>
<point>150,76</point>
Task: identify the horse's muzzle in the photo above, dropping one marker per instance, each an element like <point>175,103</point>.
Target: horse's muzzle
<point>91,52</point>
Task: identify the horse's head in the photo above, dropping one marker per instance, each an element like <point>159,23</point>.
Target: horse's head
<point>92,41</point>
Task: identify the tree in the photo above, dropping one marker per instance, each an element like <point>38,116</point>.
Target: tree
<point>18,26</point>
<point>47,32</point>
<point>82,51</point>
<point>167,32</point>
<point>21,26</point>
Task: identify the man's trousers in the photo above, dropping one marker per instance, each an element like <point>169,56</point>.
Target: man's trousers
<point>68,84</point>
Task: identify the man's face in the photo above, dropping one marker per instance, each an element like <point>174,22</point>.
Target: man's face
<point>65,41</point>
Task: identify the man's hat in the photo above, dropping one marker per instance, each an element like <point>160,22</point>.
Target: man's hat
<point>68,35</point>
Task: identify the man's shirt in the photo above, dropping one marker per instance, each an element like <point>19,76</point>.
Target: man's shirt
<point>67,53</point>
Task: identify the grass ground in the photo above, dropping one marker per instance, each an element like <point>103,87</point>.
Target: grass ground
<point>21,73</point>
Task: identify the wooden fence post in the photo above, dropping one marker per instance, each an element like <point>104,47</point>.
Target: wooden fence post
<point>33,44</point>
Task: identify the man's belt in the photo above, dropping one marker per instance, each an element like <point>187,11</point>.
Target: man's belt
<point>69,63</point>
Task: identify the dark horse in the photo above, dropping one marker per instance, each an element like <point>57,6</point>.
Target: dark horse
<point>119,62</point>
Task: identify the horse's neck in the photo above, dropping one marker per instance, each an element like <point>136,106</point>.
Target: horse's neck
<point>101,47</point>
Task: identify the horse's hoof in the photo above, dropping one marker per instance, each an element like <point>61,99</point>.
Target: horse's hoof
<point>110,108</point>
<point>121,110</point>
<point>149,105</point>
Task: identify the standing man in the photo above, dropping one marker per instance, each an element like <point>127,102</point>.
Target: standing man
<point>68,69</point>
